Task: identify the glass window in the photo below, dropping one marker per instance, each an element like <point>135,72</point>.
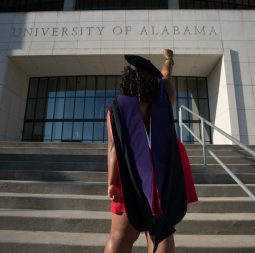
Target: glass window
<point>49,112</point>
<point>203,108</point>
<point>182,87</point>
<point>30,110</point>
<point>33,86</point>
<point>31,5</point>
<point>110,86</point>
<point>98,131</point>
<point>61,87</point>
<point>118,82</point>
<point>67,131</point>
<point>185,102</point>
<point>79,108</point>
<point>202,88</point>
<point>108,101</point>
<point>57,131</point>
<point>59,108</point>
<point>77,130</point>
<point>79,104</point>
<point>175,113</point>
<point>99,108</point>
<point>91,86</point>
<point>71,86</point>
<point>100,91</point>
<point>192,88</point>
<point>69,108</point>
<point>52,86</point>
<point>216,4</point>
<point>81,86</point>
<point>89,108</point>
<point>38,131</point>
<point>42,89</point>
<point>207,134</point>
<point>124,4</point>
<point>88,131</point>
<point>47,130</point>
<point>194,107</point>
<point>186,134</point>
<point>195,127</point>
<point>40,107</point>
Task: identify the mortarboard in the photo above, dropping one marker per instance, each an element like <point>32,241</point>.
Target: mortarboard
<point>142,63</point>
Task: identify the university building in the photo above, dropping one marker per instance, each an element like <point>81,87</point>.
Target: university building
<point>61,62</point>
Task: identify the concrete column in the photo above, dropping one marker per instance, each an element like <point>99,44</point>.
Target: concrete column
<point>69,5</point>
<point>173,4</point>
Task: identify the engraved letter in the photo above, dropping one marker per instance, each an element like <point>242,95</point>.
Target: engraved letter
<point>202,30</point>
<point>213,31</point>
<point>117,30</point>
<point>36,31</point>
<point>187,30</point>
<point>64,31</point>
<point>45,31</point>
<point>15,33</point>
<point>153,30</point>
<point>27,31</point>
<point>55,31</point>
<point>75,31</point>
<point>165,30</point>
<point>176,30</point>
<point>100,29</point>
<point>143,31</point>
<point>89,28</point>
<point>128,29</point>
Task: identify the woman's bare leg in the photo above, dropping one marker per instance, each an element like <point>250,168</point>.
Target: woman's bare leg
<point>166,246</point>
<point>122,235</point>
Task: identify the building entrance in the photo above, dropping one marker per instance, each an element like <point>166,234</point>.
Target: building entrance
<point>73,108</point>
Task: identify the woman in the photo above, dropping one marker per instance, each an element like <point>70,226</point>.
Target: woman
<point>145,173</point>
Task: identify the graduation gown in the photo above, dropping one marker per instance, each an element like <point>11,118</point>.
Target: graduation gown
<point>149,168</point>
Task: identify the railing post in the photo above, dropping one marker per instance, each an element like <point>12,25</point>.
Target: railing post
<point>204,144</point>
<point>180,122</point>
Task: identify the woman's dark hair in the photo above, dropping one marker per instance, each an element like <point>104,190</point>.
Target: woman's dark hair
<point>140,83</point>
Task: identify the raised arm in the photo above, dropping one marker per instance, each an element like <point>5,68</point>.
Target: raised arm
<point>166,71</point>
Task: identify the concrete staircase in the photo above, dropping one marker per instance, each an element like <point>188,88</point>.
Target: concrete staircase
<point>53,199</point>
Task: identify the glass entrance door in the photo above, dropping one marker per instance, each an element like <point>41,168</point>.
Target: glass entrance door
<point>73,108</point>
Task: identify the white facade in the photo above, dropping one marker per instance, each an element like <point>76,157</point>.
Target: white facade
<point>217,44</point>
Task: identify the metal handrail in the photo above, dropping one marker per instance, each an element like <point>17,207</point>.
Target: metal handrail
<point>206,149</point>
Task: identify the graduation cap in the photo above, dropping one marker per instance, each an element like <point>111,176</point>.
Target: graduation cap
<point>144,64</point>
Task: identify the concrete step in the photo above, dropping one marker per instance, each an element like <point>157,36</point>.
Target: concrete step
<point>40,175</point>
<point>100,188</point>
<point>217,169</point>
<point>86,150</point>
<point>47,160</point>
<point>52,166</point>
<point>228,160</point>
<point>94,150</point>
<point>104,145</point>
<point>55,242</point>
<point>53,150</point>
<point>53,158</point>
<point>218,147</point>
<point>53,175</point>
<point>99,222</point>
<point>101,166</point>
<point>73,157</point>
<point>28,144</point>
<point>101,203</point>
